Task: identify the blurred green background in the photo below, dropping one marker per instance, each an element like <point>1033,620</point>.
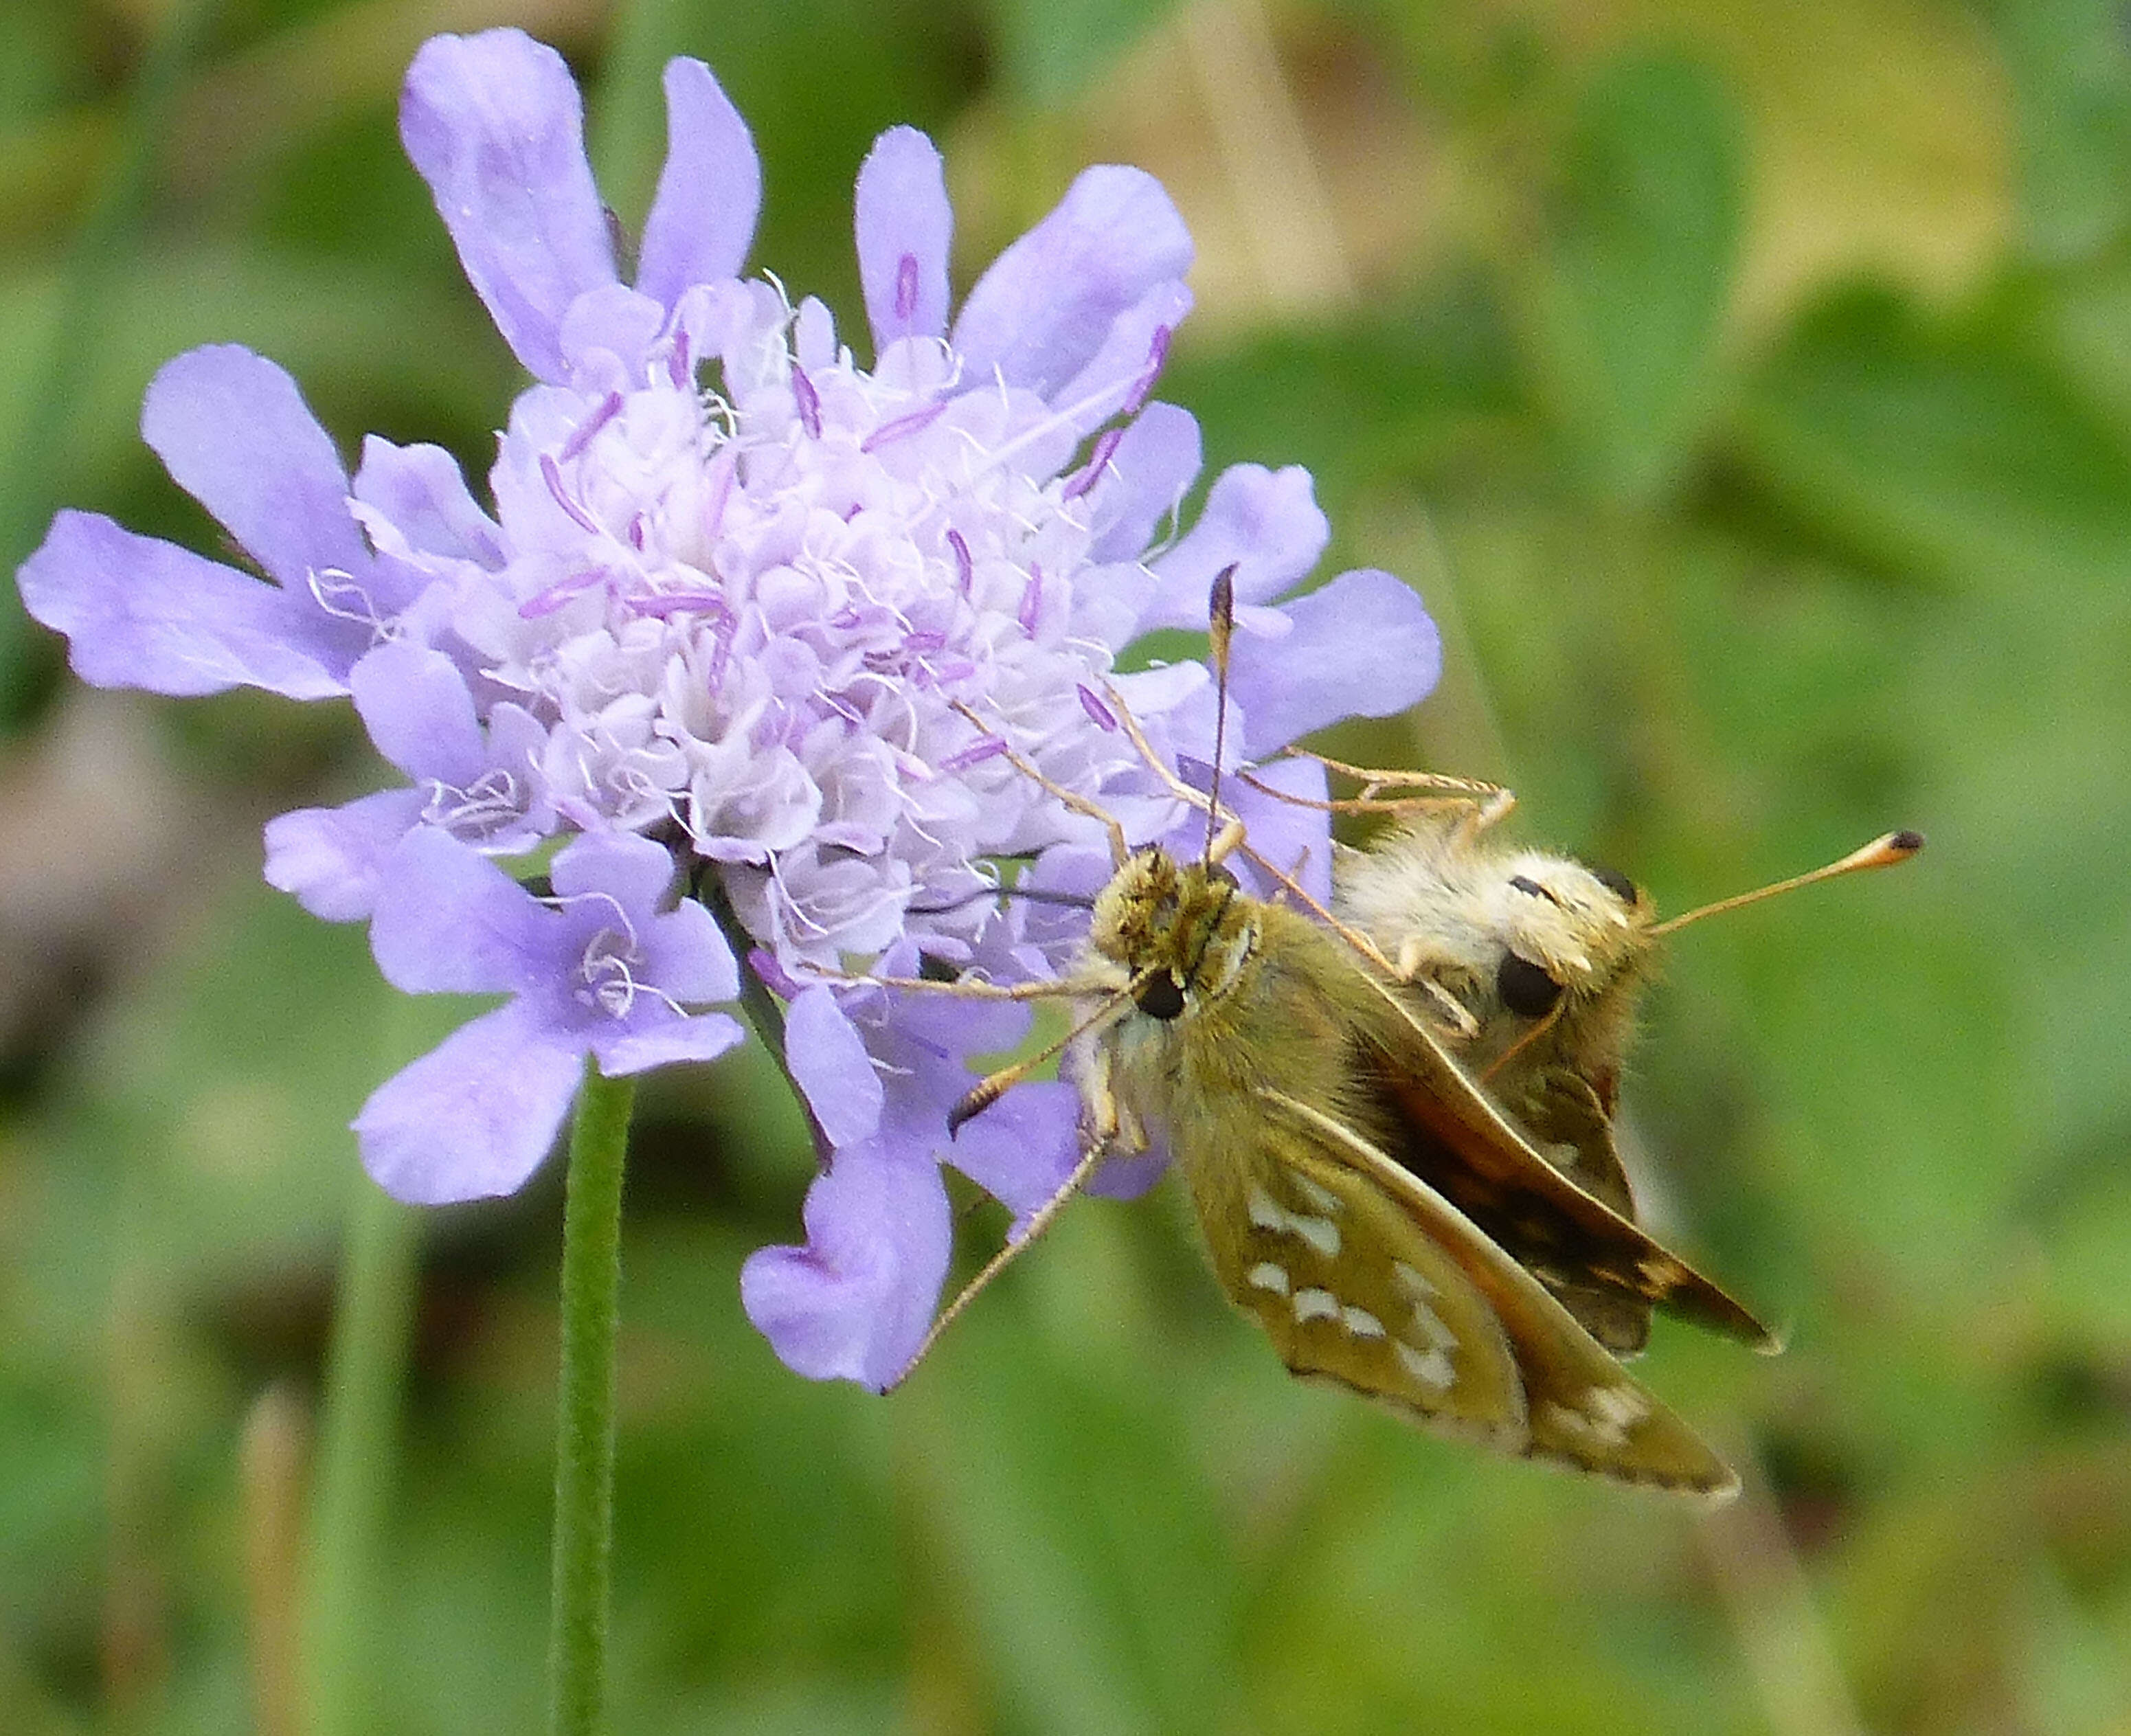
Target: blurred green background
<point>1748,389</point>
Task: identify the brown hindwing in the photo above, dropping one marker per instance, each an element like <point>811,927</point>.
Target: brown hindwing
<point>1362,1273</point>
<point>1437,1125</point>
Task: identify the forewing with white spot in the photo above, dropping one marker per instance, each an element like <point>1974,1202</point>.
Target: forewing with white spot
<point>1416,1307</point>
<point>1349,1292</point>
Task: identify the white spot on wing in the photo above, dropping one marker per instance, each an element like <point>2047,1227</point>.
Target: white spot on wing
<point>1265,1275</point>
<point>1361,1323</point>
<point>1324,1198</point>
<point>1432,1326</point>
<point>1316,1305</point>
<point>1432,1369</point>
<point>1268,1213</point>
<point>1411,1281</point>
<point>1608,1414</point>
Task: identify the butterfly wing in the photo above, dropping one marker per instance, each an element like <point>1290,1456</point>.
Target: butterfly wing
<point>1362,1273</point>
<point>1442,1128</point>
<point>1572,1129</point>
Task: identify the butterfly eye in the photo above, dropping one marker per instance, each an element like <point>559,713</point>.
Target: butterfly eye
<point>1525,989</point>
<point>1532,888</point>
<point>1618,884</point>
<point>1160,997</point>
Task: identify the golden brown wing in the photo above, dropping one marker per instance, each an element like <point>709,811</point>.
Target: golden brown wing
<point>1362,1273</point>
<point>1440,1126</point>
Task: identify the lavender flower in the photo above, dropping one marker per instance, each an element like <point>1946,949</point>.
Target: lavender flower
<point>749,618</point>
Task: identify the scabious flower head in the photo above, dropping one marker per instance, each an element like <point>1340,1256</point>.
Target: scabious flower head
<point>753,625</point>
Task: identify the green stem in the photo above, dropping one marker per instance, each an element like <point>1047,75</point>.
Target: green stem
<point>366,1370</point>
<point>584,1422</point>
<point>764,1018</point>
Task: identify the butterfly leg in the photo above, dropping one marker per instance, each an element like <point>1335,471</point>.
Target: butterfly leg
<point>1072,799</point>
<point>973,989</point>
<point>1486,804</point>
<point>1039,1220</point>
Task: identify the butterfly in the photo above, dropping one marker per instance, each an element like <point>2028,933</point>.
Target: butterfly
<point>1456,1244</point>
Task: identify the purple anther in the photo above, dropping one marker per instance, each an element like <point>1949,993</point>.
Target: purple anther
<point>660,605</point>
<point>923,641</point>
<point>965,569</point>
<point>771,974</point>
<point>1031,600</point>
<point>637,527</point>
<point>1099,461</point>
<point>906,287</point>
<point>680,364</point>
<point>551,473</point>
<point>1157,353</point>
<point>809,402</point>
<point>990,747</point>
<point>1098,713</point>
<point>581,436</point>
<point>561,591</point>
<point>903,427</point>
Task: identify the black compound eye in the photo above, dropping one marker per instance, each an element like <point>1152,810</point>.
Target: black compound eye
<point>1525,989</point>
<point>1618,883</point>
<point>1160,997</point>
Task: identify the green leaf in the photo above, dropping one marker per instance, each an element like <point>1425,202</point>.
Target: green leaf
<point>2071,69</point>
<point>1051,50</point>
<point>1947,450</point>
<point>1646,229</point>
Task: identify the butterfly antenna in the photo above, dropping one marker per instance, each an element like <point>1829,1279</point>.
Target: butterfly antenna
<point>1220,629</point>
<point>990,1089</point>
<point>1038,1222</point>
<point>1889,851</point>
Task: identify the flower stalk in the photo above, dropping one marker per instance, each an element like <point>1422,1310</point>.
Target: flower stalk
<point>365,1373</point>
<point>585,1405</point>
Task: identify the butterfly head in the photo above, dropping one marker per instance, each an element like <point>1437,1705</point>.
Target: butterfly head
<point>1183,926</point>
<point>1560,927</point>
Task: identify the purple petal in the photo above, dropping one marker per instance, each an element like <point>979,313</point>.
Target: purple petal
<point>1265,523</point>
<point>1362,646</point>
<point>1295,839</point>
<point>829,1063</point>
<point>333,859</point>
<point>235,434</point>
<point>1021,1149</point>
<point>854,1304</point>
<point>605,335</point>
<point>494,125</point>
<point>142,613</point>
<point>1128,1178</point>
<point>449,921</point>
<point>1048,303</point>
<point>687,956</point>
<point>1148,473</point>
<point>710,191</point>
<point>414,703</point>
<point>623,1051</point>
<point>1121,373</point>
<point>474,1116</point>
<point>419,489</point>
<point>904,224</point>
<point>635,873</point>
